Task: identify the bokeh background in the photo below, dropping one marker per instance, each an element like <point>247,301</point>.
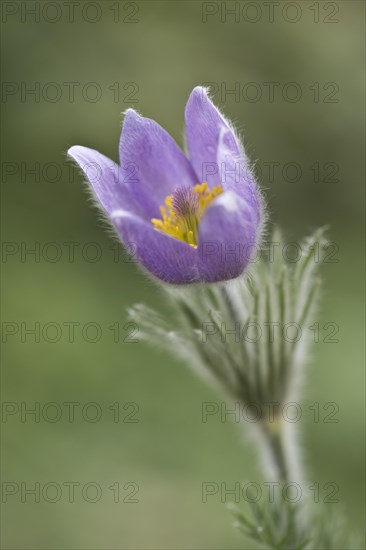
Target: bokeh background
<point>149,56</point>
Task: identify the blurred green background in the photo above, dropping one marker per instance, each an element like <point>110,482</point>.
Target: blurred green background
<point>165,49</point>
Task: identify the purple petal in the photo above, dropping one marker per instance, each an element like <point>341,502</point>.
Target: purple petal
<point>215,151</point>
<point>236,173</point>
<point>160,166</point>
<point>106,179</point>
<point>225,241</point>
<point>166,258</point>
<point>204,123</point>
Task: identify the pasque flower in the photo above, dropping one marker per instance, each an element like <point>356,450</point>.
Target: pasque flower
<point>191,217</point>
<point>197,217</point>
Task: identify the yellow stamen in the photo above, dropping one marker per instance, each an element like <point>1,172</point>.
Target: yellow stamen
<point>184,226</point>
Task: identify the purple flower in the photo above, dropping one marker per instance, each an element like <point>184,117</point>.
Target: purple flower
<point>188,217</point>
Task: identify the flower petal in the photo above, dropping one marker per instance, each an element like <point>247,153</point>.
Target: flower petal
<point>236,173</point>
<point>166,258</point>
<point>225,241</point>
<point>159,164</point>
<point>204,123</point>
<point>105,177</point>
<point>215,151</point>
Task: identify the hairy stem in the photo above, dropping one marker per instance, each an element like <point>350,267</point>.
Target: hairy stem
<point>279,452</point>
<point>276,449</point>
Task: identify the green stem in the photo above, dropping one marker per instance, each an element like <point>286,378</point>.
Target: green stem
<point>276,448</point>
<point>280,450</point>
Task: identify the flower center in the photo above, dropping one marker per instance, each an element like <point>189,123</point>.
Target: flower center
<point>183,211</point>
